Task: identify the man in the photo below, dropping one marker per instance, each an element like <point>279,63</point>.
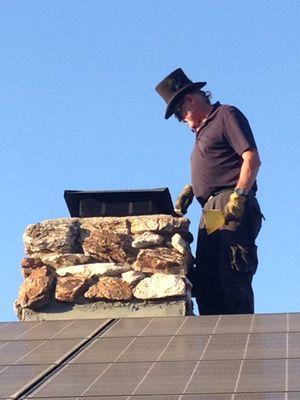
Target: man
<point>224,166</point>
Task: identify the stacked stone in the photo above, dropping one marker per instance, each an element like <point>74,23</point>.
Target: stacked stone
<point>124,259</point>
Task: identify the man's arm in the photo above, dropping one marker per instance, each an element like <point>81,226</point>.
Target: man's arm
<point>249,169</point>
<point>239,135</point>
<point>236,204</point>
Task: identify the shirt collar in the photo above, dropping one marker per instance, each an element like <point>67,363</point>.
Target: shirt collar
<point>210,116</point>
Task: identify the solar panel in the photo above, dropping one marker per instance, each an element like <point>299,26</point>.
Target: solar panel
<point>241,357</point>
<point>13,379</point>
<point>30,350</point>
<point>243,396</point>
<point>50,329</point>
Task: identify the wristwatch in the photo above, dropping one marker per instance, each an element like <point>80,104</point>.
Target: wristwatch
<point>240,191</point>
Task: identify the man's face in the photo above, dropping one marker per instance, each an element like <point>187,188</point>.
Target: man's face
<point>190,110</point>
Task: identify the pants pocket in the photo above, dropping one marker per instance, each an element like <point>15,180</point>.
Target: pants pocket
<point>243,258</point>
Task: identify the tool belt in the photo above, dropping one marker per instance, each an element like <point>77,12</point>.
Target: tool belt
<point>214,194</point>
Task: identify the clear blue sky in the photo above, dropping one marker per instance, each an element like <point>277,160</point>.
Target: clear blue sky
<point>78,110</point>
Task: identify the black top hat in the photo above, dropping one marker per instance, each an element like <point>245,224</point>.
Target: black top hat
<point>174,87</point>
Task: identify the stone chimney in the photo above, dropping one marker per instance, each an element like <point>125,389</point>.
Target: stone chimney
<point>106,266</point>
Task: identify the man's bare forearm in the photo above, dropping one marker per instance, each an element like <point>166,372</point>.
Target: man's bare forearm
<point>249,169</point>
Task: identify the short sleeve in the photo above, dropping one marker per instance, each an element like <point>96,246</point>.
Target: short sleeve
<point>237,131</point>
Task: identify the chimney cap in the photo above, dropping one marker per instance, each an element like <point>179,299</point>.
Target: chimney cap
<point>118,202</point>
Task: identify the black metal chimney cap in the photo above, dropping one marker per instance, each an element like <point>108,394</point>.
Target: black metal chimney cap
<point>118,202</point>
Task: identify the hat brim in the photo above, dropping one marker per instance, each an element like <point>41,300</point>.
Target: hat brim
<point>178,95</point>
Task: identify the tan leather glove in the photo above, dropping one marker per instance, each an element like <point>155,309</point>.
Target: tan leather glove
<point>184,200</point>
<point>235,207</point>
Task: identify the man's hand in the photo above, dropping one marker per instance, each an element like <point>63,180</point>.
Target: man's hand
<point>184,200</point>
<point>235,207</point>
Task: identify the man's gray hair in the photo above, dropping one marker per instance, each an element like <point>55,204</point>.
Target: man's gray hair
<point>206,95</point>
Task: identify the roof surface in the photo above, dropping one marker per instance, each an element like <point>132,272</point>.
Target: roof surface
<point>241,357</point>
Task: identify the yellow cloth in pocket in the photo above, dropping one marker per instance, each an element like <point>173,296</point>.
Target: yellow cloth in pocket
<point>214,220</point>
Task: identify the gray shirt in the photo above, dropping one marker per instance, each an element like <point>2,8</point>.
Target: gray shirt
<point>216,158</point>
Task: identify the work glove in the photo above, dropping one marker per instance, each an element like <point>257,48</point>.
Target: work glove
<point>235,207</point>
<point>184,200</point>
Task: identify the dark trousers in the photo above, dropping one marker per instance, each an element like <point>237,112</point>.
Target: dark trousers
<point>226,261</point>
